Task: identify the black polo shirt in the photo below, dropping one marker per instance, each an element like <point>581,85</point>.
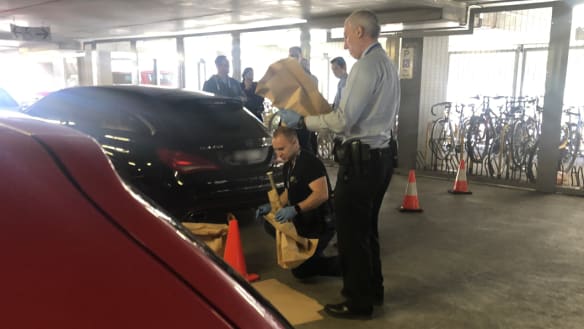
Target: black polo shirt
<point>307,168</point>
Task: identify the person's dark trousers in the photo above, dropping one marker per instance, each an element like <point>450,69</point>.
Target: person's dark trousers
<point>358,198</point>
<point>319,264</point>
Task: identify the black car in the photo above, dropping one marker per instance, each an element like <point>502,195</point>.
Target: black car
<point>194,154</point>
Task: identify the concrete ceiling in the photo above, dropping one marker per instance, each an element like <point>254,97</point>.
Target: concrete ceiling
<point>87,20</point>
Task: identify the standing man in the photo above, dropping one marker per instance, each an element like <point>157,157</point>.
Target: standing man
<point>305,202</point>
<point>308,140</point>
<point>339,68</point>
<point>221,83</point>
<point>296,53</point>
<point>364,118</point>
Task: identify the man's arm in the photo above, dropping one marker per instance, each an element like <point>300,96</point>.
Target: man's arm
<point>318,196</point>
<point>354,99</point>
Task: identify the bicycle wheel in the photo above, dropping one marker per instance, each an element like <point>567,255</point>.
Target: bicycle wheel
<point>497,158</point>
<point>531,165</point>
<point>477,139</point>
<point>441,139</point>
<point>523,138</point>
<point>569,147</point>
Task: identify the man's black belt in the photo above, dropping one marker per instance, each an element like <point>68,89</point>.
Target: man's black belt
<point>357,152</point>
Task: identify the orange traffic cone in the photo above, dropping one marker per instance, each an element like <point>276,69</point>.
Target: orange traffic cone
<point>234,252</point>
<point>411,203</point>
<point>460,184</point>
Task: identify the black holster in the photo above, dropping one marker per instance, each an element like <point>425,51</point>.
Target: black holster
<point>352,153</point>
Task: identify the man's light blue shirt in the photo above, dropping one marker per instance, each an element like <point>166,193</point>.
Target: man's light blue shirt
<point>340,86</point>
<point>369,102</point>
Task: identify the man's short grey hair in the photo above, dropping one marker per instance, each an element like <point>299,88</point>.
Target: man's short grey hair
<point>366,19</point>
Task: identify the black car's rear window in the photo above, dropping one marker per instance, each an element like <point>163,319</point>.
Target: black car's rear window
<point>210,117</point>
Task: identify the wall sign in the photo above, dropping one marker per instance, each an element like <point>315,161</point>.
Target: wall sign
<point>28,33</point>
<point>406,63</point>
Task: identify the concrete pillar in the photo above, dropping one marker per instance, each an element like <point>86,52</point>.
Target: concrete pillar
<point>305,41</point>
<point>59,73</point>
<point>435,63</point>
<point>85,69</point>
<point>557,64</point>
<point>95,68</point>
<point>393,45</point>
<point>136,73</point>
<point>410,75</point>
<point>236,55</point>
<point>180,50</point>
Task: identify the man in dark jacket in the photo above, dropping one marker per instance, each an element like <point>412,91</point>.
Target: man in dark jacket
<point>221,83</point>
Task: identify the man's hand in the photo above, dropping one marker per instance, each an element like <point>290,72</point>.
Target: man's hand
<point>263,210</point>
<point>291,119</point>
<point>285,214</point>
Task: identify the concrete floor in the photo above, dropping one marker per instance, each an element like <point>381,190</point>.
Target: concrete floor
<point>499,258</point>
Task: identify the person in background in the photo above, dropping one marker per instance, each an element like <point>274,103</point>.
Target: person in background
<point>305,202</point>
<point>296,53</point>
<point>306,66</point>
<point>254,103</point>
<point>339,68</point>
<point>308,139</point>
<point>364,119</point>
<point>221,83</point>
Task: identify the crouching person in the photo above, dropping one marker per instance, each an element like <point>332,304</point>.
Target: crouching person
<point>305,202</point>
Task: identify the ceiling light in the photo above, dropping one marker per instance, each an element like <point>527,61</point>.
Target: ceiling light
<point>10,43</point>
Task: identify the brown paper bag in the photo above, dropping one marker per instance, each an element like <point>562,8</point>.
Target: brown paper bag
<point>291,249</point>
<point>288,86</point>
<point>214,235</point>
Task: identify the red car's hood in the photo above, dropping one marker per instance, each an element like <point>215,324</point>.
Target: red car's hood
<point>146,226</point>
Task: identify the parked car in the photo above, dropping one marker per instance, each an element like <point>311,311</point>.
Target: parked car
<point>7,102</point>
<point>146,78</point>
<point>195,154</point>
<point>80,250</point>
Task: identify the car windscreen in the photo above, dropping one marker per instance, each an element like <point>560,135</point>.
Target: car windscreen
<point>214,119</point>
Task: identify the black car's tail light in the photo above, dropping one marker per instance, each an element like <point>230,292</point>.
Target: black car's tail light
<point>185,163</point>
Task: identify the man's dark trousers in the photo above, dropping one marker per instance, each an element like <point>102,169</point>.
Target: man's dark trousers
<point>358,198</point>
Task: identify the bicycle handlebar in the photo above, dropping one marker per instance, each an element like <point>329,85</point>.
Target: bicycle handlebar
<point>446,105</point>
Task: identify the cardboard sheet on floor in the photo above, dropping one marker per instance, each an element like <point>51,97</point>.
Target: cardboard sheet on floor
<point>295,306</point>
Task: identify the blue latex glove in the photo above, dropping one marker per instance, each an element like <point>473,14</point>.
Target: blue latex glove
<point>290,118</point>
<point>263,210</point>
<point>285,214</point>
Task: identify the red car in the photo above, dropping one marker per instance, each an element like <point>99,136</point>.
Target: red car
<point>79,249</point>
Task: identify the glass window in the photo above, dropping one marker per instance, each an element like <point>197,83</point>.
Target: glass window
<point>260,49</point>
<point>158,62</point>
<point>206,117</point>
<point>573,95</point>
<point>200,54</point>
<point>123,122</point>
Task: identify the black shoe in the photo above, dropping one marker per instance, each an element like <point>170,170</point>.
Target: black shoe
<point>344,311</point>
<point>377,298</point>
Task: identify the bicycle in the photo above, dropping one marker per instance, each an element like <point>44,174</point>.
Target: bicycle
<point>571,139</point>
